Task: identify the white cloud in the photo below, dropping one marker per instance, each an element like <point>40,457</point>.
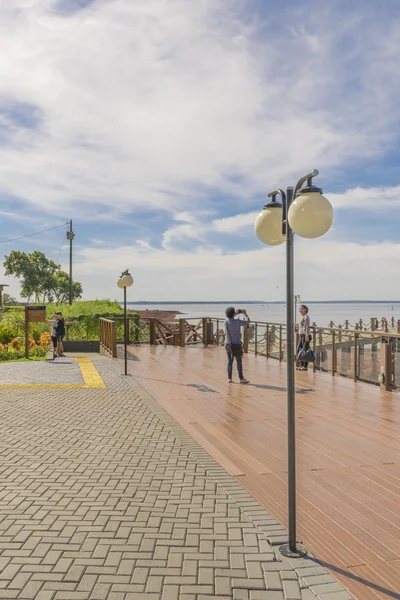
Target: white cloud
<point>324,269</point>
<point>375,198</point>
<point>154,104</point>
<point>235,223</point>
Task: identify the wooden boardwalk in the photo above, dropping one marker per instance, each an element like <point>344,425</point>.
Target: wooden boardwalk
<point>348,452</point>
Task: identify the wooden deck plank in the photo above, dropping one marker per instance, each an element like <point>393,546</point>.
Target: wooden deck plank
<point>348,452</point>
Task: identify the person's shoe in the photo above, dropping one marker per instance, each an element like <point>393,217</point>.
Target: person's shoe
<point>244,381</point>
<point>230,380</point>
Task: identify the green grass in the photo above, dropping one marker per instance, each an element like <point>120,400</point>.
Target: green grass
<point>85,307</point>
<point>31,359</point>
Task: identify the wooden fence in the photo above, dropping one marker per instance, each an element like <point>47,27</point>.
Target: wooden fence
<point>371,356</point>
<point>108,338</point>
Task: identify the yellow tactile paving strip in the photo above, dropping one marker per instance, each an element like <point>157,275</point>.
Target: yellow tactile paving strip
<point>91,377</point>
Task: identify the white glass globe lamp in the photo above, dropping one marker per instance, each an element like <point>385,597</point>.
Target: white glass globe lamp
<point>268,224</point>
<point>310,214</point>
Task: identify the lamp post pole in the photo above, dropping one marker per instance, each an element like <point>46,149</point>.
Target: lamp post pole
<point>70,237</point>
<point>309,214</point>
<point>291,390</point>
<point>125,334</point>
<point>126,280</point>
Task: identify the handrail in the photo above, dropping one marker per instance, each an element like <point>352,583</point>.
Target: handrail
<point>108,337</point>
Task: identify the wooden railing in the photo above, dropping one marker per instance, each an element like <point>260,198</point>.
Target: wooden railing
<point>108,338</point>
<point>371,356</point>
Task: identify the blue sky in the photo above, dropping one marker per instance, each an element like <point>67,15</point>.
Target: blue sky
<point>159,127</point>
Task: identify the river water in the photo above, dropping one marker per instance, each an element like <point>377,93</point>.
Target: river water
<point>320,313</point>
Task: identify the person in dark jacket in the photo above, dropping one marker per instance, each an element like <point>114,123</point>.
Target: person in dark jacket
<point>233,341</point>
<point>60,332</point>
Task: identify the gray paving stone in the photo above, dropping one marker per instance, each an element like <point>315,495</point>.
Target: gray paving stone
<point>103,495</point>
<point>291,590</point>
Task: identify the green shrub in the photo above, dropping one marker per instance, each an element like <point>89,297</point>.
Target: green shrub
<point>6,335</point>
<point>38,351</point>
<point>11,355</point>
<point>85,307</point>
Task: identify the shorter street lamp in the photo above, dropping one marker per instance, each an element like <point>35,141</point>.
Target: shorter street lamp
<point>126,280</point>
<point>306,212</point>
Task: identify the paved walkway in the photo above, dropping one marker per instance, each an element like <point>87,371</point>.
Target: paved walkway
<point>104,496</point>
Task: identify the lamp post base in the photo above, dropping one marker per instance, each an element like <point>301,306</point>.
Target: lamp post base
<point>288,553</point>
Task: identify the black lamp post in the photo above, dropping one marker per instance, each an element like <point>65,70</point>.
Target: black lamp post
<point>306,212</point>
<point>126,280</point>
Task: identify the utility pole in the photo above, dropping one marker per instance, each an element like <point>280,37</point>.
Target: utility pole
<point>70,237</point>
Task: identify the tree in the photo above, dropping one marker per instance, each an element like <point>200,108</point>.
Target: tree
<point>9,300</point>
<point>41,278</point>
<point>61,288</point>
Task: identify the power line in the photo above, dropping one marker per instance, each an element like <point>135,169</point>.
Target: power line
<point>30,234</point>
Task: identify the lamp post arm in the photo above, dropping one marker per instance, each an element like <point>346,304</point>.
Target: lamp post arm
<point>282,194</point>
<point>307,178</point>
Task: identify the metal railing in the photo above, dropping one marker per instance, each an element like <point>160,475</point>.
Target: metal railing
<point>370,356</point>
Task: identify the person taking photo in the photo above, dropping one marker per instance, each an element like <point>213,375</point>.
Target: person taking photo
<point>233,340</point>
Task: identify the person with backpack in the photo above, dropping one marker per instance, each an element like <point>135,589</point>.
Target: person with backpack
<point>233,341</point>
<point>305,337</point>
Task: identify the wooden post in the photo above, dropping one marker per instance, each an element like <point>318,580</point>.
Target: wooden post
<point>210,332</point>
<point>398,326</point>
<point>267,348</point>
<point>245,340</point>
<point>314,349</point>
<point>333,354</point>
<point>355,357</point>
<point>182,331</point>
<point>153,332</point>
<point>205,331</point>
<point>346,324</point>
<point>385,376</point>
<point>280,343</point>
<point>26,332</point>
<point>255,338</point>
<point>372,326</point>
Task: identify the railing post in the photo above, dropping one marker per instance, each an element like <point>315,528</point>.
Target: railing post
<point>245,340</point>
<point>205,331</point>
<point>210,332</point>
<point>255,338</point>
<point>372,326</point>
<point>355,357</point>
<point>267,349</point>
<point>153,332</point>
<point>182,332</point>
<point>113,328</point>
<point>314,349</point>
<point>333,354</point>
<point>385,377</point>
<point>280,343</point>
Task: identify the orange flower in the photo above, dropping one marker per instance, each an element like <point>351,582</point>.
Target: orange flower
<point>16,344</point>
<point>45,339</point>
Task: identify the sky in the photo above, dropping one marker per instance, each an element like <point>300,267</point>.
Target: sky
<point>159,126</point>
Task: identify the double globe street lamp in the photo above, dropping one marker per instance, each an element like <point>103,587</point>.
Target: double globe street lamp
<point>307,213</point>
<point>125,281</point>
